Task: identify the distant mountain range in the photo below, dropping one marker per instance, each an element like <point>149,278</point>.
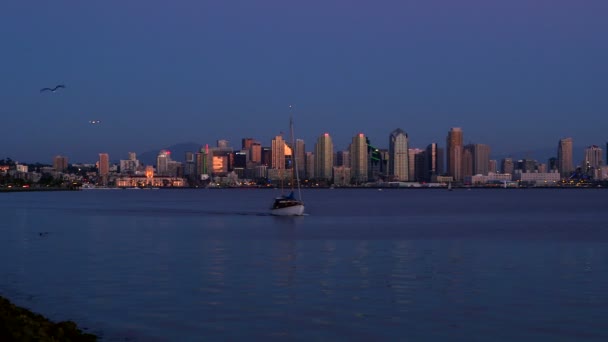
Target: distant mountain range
<point>542,155</point>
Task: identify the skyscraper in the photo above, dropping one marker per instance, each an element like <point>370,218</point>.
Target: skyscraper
<point>398,156</point>
<point>454,153</point>
<point>277,160</point>
<point>565,164</point>
<point>593,157</point>
<point>300,157</point>
<point>310,165</point>
<point>162,162</point>
<point>433,162</point>
<point>481,159</point>
<point>358,158</point>
<point>507,166</point>
<point>415,158</point>
<point>343,159</point>
<point>324,157</point>
<point>104,168</point>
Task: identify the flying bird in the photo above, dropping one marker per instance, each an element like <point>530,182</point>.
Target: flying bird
<point>94,122</point>
<point>52,89</point>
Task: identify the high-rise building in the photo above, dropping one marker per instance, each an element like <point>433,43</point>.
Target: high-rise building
<point>358,158</point>
<point>565,164</point>
<point>162,162</point>
<point>377,164</point>
<point>507,166</point>
<point>277,160</point>
<point>415,163</point>
<point>398,156</point>
<point>247,142</point>
<point>552,164</point>
<point>493,166</point>
<point>104,168</point>
<point>300,157</point>
<point>324,157</point>
<point>343,159</point>
<point>255,152</point>
<point>454,146</point>
<point>60,163</point>
<point>433,162</point>
<point>480,159</point>
<point>593,157</point>
<point>310,165</point>
<point>467,161</point>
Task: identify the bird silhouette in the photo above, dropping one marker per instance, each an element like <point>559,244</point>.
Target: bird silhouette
<point>52,89</point>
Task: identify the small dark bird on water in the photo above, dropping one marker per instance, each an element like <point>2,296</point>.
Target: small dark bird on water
<point>52,89</point>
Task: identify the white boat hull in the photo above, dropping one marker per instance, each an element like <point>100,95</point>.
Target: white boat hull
<point>294,210</point>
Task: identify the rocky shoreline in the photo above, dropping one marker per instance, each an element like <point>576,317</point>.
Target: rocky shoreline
<point>19,324</point>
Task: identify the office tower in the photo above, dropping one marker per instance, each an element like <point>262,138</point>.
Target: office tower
<point>413,156</point>
<point>493,166</point>
<point>324,157</point>
<point>310,165</point>
<point>375,161</point>
<point>247,142</point>
<point>240,159</point>
<point>398,156</point>
<point>255,152</point>
<point>467,161</point>
<point>526,165</point>
<point>300,157</point>
<point>277,159</point>
<point>454,152</point>
<point>343,158</point>
<point>266,156</point>
<point>433,162</point>
<point>565,164</point>
<point>129,166</point>
<point>60,163</point>
<point>104,168</point>
<point>481,159</point>
<point>132,156</point>
<point>593,157</point>
<point>162,162</point>
<point>507,166</point>
<point>552,164</point>
<point>358,158</point>
<point>189,157</point>
<point>202,162</point>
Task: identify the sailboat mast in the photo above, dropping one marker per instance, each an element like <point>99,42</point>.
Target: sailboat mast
<point>293,152</point>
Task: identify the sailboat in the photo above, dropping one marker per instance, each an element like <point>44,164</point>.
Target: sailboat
<point>449,186</point>
<point>289,205</point>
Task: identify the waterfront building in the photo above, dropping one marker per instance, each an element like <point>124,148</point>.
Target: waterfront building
<point>398,163</point>
<point>507,166</point>
<point>103,168</point>
<point>300,157</point>
<point>492,166</point>
<point>593,157</point>
<point>433,162</point>
<point>324,153</point>
<point>341,176</point>
<point>60,163</point>
<point>565,164</point>
<point>310,165</point>
<point>358,158</point>
<point>343,158</point>
<point>454,146</point>
<point>277,159</point>
<point>536,178</point>
<point>414,165</point>
<point>162,163</point>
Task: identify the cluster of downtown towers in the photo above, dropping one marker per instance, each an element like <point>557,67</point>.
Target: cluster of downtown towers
<point>360,163</point>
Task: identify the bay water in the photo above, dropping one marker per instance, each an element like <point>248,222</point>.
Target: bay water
<point>362,265</point>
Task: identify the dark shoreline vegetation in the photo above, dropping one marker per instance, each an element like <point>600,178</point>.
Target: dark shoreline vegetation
<point>19,324</point>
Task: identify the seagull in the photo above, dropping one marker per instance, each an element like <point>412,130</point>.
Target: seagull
<point>52,89</point>
<point>94,122</point>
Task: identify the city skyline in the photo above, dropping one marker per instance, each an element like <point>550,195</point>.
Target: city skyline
<point>515,75</point>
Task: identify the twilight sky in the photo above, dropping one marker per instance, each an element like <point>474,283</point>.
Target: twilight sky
<point>517,75</point>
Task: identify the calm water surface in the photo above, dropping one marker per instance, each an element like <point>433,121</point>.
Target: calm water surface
<point>364,265</point>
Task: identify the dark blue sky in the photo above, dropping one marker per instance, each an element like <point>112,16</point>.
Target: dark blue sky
<point>517,75</point>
